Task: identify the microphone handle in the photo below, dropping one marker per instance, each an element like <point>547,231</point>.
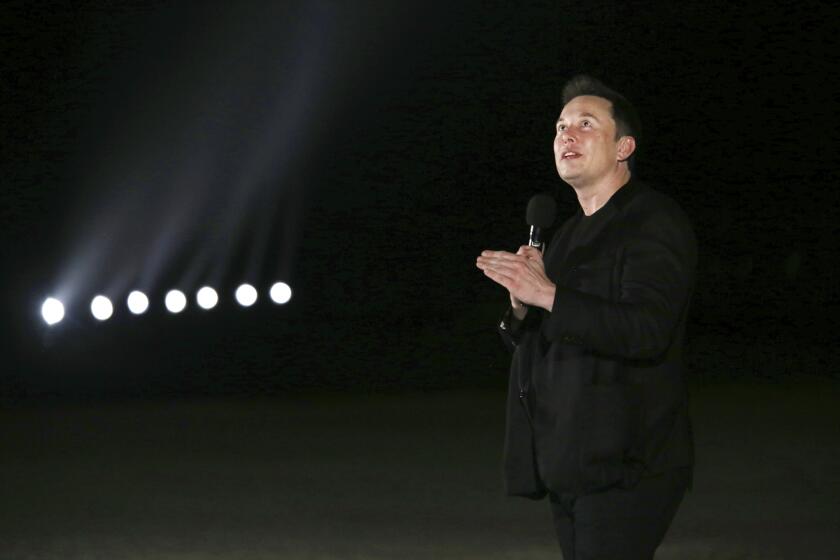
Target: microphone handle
<point>534,238</point>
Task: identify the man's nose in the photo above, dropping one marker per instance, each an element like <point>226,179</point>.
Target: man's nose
<point>567,138</point>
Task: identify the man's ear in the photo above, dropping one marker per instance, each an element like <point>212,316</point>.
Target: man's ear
<point>626,147</point>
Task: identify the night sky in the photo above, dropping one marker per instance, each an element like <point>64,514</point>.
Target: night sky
<point>366,154</point>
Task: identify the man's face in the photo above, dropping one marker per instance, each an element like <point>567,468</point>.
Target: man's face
<point>585,147</point>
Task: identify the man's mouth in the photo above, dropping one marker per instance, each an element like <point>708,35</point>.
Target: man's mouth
<point>570,155</point>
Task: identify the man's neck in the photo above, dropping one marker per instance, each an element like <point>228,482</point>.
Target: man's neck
<point>593,197</point>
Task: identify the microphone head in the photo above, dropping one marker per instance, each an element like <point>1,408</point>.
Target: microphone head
<point>542,210</point>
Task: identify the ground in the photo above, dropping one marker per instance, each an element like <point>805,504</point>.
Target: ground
<point>321,476</point>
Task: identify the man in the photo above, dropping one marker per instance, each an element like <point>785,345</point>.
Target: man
<point>597,405</point>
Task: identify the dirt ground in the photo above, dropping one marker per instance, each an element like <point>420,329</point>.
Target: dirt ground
<point>387,476</point>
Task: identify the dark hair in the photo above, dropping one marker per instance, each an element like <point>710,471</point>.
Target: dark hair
<point>627,122</point>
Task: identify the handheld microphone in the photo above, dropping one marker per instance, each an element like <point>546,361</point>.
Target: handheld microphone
<point>540,215</point>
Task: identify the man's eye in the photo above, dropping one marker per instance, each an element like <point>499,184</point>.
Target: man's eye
<point>561,127</point>
<point>586,123</point>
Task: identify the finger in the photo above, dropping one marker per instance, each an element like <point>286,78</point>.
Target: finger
<point>500,279</point>
<point>496,254</point>
<point>508,268</point>
<point>501,256</point>
<point>500,276</point>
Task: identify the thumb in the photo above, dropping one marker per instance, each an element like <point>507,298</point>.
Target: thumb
<point>530,252</point>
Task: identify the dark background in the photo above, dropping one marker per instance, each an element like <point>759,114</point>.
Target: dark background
<point>431,129</point>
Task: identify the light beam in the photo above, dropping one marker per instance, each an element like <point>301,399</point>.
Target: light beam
<point>246,295</point>
<point>175,301</point>
<point>137,301</point>
<point>207,298</point>
<point>280,293</point>
<point>52,311</point>
<point>101,308</point>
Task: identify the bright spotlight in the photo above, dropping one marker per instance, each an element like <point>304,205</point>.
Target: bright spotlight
<point>137,302</point>
<point>207,297</point>
<point>175,301</point>
<point>246,295</point>
<point>280,293</point>
<point>52,311</point>
<point>102,308</point>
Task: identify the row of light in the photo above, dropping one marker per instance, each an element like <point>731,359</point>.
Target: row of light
<point>175,301</point>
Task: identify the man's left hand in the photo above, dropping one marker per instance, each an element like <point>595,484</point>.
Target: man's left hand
<point>523,274</point>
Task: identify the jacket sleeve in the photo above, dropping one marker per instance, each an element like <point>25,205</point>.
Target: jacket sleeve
<point>512,330</point>
<point>657,276</point>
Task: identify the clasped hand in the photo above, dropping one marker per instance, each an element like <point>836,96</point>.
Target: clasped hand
<point>522,274</point>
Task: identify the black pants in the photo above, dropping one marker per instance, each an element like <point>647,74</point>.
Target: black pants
<point>620,524</point>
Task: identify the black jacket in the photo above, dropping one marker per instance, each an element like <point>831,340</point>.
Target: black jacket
<point>597,393</point>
